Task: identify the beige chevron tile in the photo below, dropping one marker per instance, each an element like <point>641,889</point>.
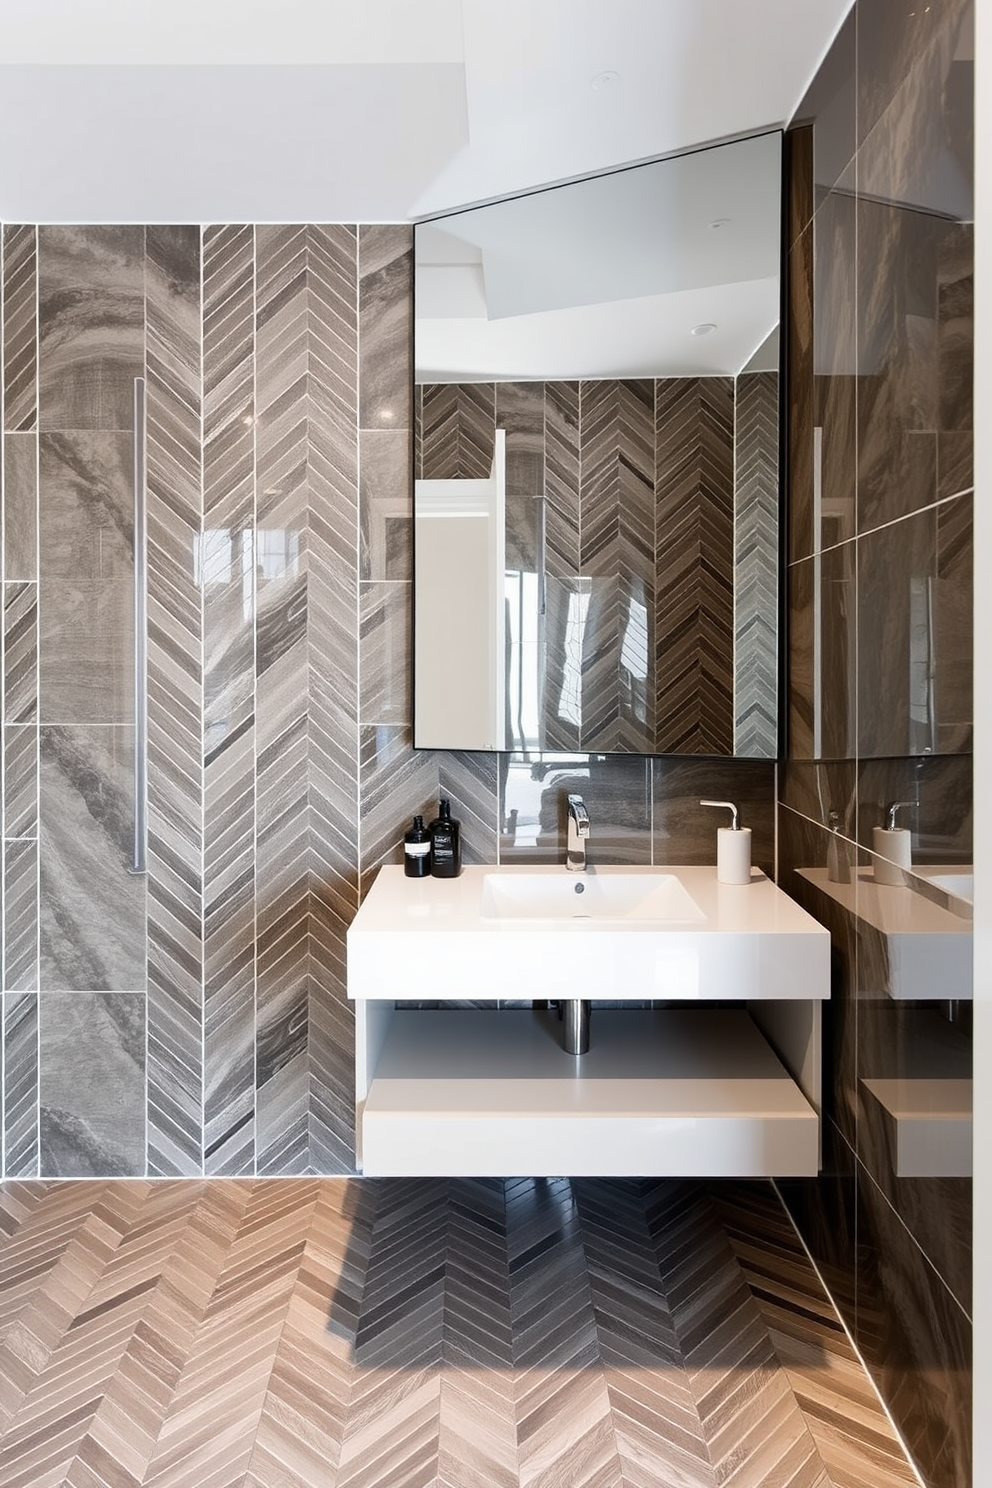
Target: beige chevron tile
<point>307,1334</point>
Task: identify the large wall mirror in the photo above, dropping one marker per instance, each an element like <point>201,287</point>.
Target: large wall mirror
<point>597,463</point>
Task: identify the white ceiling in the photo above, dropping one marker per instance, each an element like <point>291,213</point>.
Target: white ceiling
<point>371,110</point>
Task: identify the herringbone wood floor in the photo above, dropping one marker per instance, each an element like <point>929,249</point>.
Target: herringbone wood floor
<point>422,1334</point>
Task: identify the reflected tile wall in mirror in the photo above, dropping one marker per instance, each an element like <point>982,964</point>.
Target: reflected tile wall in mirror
<point>639,503</point>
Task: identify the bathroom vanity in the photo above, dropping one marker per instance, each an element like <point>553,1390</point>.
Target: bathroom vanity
<point>683,1089</point>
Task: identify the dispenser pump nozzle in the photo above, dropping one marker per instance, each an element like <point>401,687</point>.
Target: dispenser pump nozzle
<point>735,815</point>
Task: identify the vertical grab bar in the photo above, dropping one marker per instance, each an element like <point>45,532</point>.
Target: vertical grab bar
<point>140,863</point>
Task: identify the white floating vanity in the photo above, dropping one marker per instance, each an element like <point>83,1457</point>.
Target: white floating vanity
<point>680,1091</point>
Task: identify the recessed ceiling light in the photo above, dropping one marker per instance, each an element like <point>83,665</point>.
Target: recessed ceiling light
<point>719,222</point>
<point>704,328</point>
<point>604,80</point>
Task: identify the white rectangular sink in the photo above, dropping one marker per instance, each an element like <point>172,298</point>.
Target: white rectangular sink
<point>655,897</point>
<point>673,933</point>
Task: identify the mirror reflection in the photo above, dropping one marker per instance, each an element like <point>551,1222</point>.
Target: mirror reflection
<point>621,333</point>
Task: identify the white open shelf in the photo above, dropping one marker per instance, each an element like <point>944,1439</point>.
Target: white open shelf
<point>484,1092</point>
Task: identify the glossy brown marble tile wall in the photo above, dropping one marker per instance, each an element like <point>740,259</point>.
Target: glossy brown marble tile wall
<point>881,330</point>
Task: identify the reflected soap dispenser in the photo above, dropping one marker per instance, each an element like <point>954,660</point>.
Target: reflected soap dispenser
<point>893,847</point>
<point>446,844</point>
<point>733,847</point>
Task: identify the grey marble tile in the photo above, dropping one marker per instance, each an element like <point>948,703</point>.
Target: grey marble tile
<point>386,504</point>
<point>228,626</point>
<point>86,652</point>
<point>282,1076</point>
<point>533,810</point>
<point>91,287</point>
<point>92,908</point>
<point>397,783</point>
<point>385,269</point>
<point>20,326</point>
<point>20,916</point>
<point>458,430</point>
<point>562,411</point>
<point>20,653</point>
<point>520,411</point>
<point>20,786</point>
<point>92,1084</point>
<point>20,1092</point>
<point>685,832</point>
<point>470,781</point>
<point>756,564</point>
<point>385,653</point>
<point>916,1341</point>
<point>20,506</point>
<point>87,566</point>
<point>562,681</point>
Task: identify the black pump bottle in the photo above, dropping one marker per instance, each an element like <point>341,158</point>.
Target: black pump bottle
<point>446,845</point>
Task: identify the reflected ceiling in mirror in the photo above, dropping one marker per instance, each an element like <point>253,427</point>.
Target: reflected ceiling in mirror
<point>608,277</point>
<point>622,332</point>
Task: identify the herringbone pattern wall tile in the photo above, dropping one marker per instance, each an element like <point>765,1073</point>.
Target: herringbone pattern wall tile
<point>459,1334</point>
<point>281,698</point>
<point>175,701</point>
<point>756,564</point>
<point>230,569</point>
<point>20,338</point>
<point>458,429</point>
<point>694,638</point>
<point>333,371</point>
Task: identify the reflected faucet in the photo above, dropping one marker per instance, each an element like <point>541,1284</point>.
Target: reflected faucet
<point>578,835</point>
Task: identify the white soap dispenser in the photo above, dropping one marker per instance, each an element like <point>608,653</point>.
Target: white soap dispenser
<point>893,847</point>
<point>733,847</point>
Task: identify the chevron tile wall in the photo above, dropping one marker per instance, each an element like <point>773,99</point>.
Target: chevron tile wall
<point>211,993</point>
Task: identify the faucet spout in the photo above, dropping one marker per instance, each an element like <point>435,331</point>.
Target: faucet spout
<point>578,835</point>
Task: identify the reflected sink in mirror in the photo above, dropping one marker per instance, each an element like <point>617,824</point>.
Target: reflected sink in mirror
<point>588,896</point>
<point>959,883</point>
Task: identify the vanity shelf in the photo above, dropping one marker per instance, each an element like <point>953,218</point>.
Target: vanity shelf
<point>682,1092</point>
<point>686,1089</point>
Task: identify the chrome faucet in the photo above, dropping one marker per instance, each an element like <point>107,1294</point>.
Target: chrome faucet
<point>578,835</point>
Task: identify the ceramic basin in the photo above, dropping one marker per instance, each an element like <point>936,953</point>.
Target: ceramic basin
<point>632,932</point>
<point>659,898</point>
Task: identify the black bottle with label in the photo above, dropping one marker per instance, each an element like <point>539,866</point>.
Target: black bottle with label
<point>417,850</point>
<point>446,844</point>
